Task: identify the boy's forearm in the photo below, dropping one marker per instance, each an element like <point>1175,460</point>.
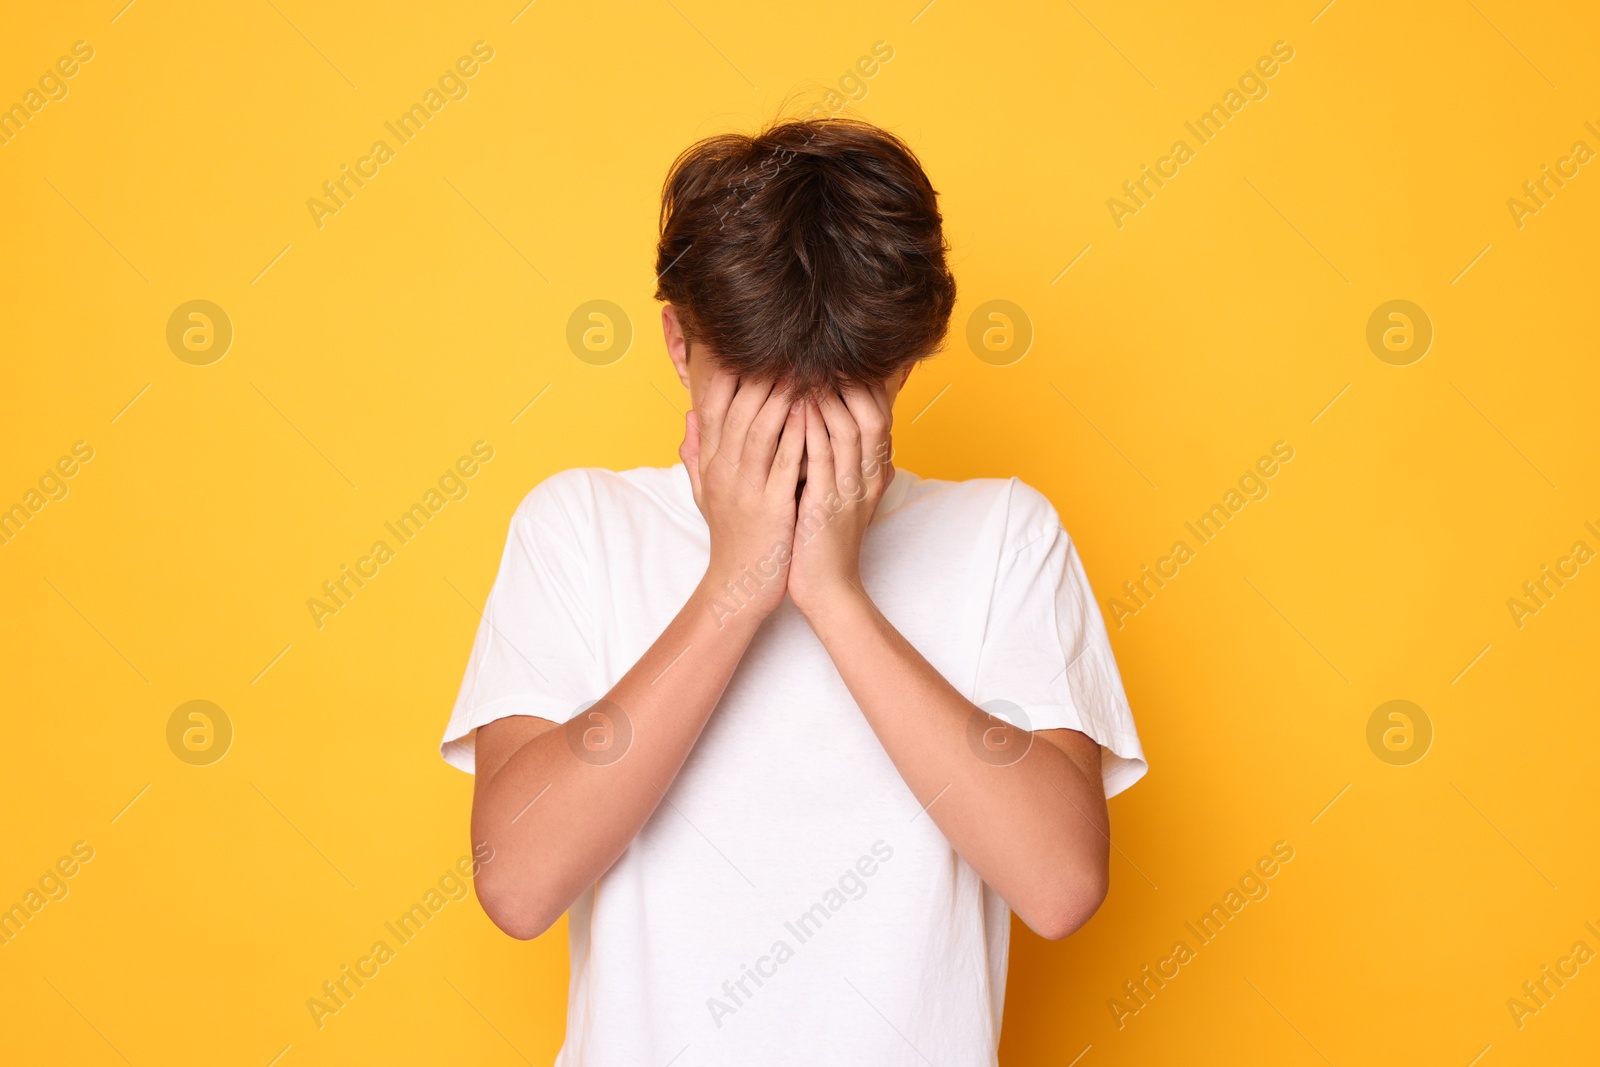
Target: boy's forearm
<point>1036,830</point>
<point>558,813</point>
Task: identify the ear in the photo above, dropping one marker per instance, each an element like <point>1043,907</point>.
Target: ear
<point>898,382</point>
<point>677,348</point>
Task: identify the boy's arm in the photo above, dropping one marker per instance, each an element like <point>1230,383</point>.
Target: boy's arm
<point>557,820</point>
<point>1036,830</point>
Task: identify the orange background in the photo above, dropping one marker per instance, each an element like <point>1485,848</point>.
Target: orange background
<point>1168,354</point>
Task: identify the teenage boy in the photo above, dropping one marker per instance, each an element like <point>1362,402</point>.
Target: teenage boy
<point>786,732</point>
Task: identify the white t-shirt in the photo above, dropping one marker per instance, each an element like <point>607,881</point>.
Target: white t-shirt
<point>789,902</point>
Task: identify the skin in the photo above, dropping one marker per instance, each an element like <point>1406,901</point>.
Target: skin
<point>1036,830</point>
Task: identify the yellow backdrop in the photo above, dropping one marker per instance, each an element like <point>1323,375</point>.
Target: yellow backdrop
<point>1354,245</point>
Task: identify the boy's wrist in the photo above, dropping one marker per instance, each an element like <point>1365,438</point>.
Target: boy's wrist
<point>840,609</point>
<point>733,600</point>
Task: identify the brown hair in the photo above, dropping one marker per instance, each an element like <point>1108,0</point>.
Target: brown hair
<point>812,251</point>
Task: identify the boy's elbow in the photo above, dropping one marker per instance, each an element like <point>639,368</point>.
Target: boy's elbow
<point>1073,906</point>
<point>520,925</point>
<point>514,913</point>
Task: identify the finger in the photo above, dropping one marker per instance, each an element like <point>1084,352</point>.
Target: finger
<point>785,473</point>
<point>867,407</point>
<point>713,407</point>
<point>845,437</point>
<point>746,404</point>
<point>819,454</point>
<point>762,440</point>
<point>689,451</point>
<point>880,393</point>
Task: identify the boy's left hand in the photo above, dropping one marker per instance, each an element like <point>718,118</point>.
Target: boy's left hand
<point>847,470</point>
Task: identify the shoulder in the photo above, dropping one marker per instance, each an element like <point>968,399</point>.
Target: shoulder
<point>1028,509</point>
<point>578,494</point>
<point>559,496</point>
<point>1011,501</point>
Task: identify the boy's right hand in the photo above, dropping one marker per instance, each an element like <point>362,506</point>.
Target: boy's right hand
<point>742,449</point>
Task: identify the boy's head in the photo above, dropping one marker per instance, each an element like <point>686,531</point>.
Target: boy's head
<point>811,253</point>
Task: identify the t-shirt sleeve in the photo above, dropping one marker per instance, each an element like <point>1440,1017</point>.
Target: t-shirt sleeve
<point>534,653</point>
<point>1045,648</point>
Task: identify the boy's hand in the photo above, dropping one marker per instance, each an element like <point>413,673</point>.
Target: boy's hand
<point>847,471</point>
<point>742,450</point>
